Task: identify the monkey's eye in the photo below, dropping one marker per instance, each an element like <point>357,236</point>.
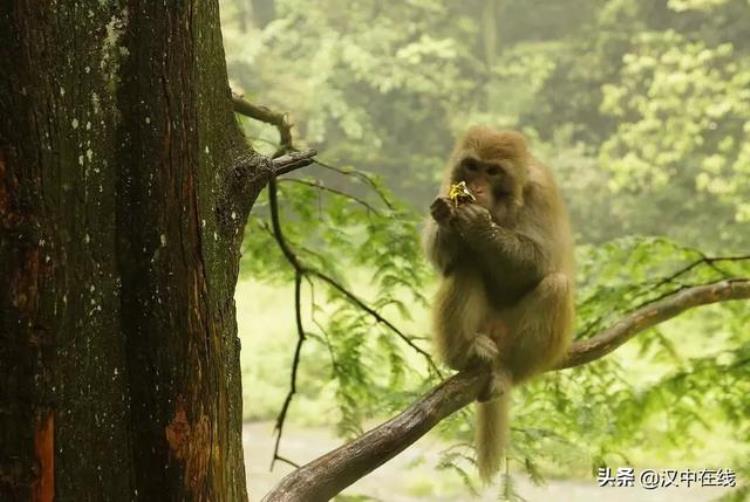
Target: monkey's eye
<point>493,171</point>
<point>470,165</point>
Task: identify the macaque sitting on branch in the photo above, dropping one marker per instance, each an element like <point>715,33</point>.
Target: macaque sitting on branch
<point>500,237</point>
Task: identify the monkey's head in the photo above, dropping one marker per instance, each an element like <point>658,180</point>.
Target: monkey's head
<point>494,165</point>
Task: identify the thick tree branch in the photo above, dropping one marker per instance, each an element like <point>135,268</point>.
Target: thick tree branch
<point>646,288</point>
<point>650,315</point>
<point>326,476</point>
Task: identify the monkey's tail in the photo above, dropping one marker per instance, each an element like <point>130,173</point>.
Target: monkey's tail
<point>492,430</point>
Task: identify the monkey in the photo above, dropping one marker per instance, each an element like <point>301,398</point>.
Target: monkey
<point>505,259</point>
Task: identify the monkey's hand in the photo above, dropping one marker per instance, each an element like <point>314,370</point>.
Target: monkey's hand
<point>484,348</point>
<point>441,210</point>
<point>472,221</point>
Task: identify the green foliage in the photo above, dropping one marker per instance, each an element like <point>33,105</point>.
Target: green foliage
<point>603,410</point>
<point>642,110</point>
<point>598,413</point>
<point>332,234</point>
<point>651,97</point>
<point>659,137</point>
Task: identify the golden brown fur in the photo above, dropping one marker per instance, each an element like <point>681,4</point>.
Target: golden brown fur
<point>506,261</point>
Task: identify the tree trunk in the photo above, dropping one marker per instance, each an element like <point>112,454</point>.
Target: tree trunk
<point>121,213</point>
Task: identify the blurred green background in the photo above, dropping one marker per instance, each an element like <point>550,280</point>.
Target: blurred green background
<point>641,108</point>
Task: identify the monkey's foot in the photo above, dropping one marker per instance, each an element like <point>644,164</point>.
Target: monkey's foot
<point>484,348</point>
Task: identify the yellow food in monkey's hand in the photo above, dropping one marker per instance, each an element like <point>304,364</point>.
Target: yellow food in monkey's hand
<point>460,193</point>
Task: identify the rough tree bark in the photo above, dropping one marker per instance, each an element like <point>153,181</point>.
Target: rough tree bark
<point>124,188</point>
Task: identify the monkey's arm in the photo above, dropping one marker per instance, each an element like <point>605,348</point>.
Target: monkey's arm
<point>509,254</point>
<point>441,244</point>
<point>441,241</point>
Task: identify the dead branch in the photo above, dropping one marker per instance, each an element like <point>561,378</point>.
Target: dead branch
<point>268,116</point>
<point>326,476</point>
<point>298,274</point>
<point>318,185</point>
<point>366,178</point>
<point>292,161</point>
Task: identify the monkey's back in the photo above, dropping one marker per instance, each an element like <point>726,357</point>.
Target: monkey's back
<point>547,215</point>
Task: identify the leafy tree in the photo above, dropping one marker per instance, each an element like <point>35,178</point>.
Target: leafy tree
<point>125,196</point>
<point>572,76</point>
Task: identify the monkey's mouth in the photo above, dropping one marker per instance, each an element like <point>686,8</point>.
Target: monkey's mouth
<point>483,199</point>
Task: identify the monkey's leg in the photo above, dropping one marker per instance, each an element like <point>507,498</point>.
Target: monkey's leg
<point>498,331</point>
<point>459,310</point>
<point>540,328</point>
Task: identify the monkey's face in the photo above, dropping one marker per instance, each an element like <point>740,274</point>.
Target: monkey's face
<point>488,180</point>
